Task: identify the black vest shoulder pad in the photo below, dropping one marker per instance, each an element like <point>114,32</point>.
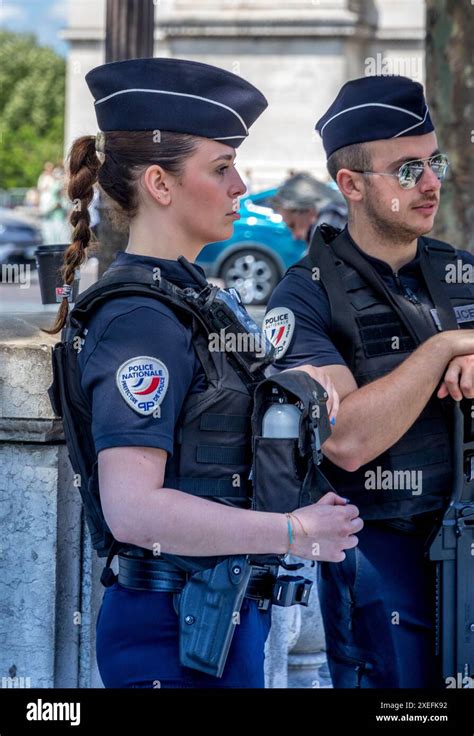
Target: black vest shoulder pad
<point>124,281</point>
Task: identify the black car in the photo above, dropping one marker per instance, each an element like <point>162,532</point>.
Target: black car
<point>19,238</point>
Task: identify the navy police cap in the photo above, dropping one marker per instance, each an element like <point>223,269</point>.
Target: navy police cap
<point>372,109</point>
<point>175,95</point>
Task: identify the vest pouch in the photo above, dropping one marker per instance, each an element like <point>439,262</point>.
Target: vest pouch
<point>285,473</point>
<point>277,474</point>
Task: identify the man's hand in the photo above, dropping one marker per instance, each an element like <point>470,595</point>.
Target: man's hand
<point>458,381</point>
<point>319,375</point>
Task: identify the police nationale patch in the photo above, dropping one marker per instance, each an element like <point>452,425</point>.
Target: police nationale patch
<point>143,383</point>
<point>278,326</point>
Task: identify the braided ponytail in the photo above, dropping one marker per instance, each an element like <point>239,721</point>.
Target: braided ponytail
<point>83,170</point>
<point>125,155</point>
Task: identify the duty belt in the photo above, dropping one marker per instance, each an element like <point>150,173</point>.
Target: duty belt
<point>141,573</point>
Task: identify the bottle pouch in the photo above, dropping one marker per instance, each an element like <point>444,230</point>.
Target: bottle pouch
<point>285,473</point>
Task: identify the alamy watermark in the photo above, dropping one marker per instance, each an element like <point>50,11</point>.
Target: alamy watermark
<point>394,480</point>
<point>459,273</point>
<point>460,681</point>
<point>16,682</point>
<point>382,66</point>
<point>43,710</point>
<point>16,273</point>
<point>240,342</point>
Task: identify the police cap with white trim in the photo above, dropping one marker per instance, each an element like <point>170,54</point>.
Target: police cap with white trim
<point>372,109</point>
<point>175,95</point>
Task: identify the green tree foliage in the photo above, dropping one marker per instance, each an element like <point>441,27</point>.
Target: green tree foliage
<point>32,88</point>
<point>449,85</point>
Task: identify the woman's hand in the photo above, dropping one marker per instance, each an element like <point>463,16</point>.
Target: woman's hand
<point>321,377</point>
<point>325,529</point>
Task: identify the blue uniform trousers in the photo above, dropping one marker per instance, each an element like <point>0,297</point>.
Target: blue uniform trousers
<point>137,644</point>
<point>378,608</point>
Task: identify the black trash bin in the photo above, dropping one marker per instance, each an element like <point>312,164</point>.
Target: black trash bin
<point>49,259</point>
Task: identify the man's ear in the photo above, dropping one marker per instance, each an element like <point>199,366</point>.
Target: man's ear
<point>351,184</point>
<point>157,184</point>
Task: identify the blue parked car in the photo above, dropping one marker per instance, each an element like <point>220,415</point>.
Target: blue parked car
<point>257,255</point>
<point>261,249</point>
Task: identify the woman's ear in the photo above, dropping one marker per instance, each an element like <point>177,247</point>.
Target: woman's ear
<point>351,184</point>
<point>157,184</point>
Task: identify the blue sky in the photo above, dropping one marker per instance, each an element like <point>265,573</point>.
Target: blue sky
<point>42,17</point>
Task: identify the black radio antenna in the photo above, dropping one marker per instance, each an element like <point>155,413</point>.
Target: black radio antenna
<point>193,271</point>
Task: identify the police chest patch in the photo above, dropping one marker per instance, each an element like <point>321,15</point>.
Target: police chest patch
<point>463,314</point>
<point>143,383</point>
<point>278,326</point>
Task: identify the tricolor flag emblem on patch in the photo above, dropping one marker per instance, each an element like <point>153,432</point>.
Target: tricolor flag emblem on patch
<point>143,383</point>
<point>278,326</point>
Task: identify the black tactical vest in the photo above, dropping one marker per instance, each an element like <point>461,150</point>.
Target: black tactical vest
<point>375,330</point>
<point>212,454</point>
<point>213,449</point>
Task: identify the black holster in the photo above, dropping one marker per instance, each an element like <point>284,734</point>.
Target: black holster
<point>209,610</point>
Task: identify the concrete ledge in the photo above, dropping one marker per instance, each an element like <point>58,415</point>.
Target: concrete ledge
<point>25,375</point>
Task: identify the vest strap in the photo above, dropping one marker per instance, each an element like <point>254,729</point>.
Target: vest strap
<point>224,423</point>
<point>438,295</point>
<point>221,455</point>
<point>108,577</point>
<point>215,487</point>
<point>413,321</point>
<point>343,321</point>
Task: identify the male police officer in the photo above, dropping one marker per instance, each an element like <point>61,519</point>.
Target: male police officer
<point>303,203</point>
<point>379,306</point>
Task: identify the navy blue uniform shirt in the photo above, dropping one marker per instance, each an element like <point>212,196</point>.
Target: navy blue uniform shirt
<point>309,339</point>
<point>138,357</point>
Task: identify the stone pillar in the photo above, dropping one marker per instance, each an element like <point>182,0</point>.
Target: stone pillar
<point>307,663</point>
<point>284,633</point>
<point>295,653</point>
<point>46,600</point>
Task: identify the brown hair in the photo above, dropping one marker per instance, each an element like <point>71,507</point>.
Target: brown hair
<point>355,156</point>
<point>126,155</point>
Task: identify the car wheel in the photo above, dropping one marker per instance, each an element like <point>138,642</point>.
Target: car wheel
<point>254,274</point>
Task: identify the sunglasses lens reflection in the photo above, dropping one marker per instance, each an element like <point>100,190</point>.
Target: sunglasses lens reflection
<point>411,173</point>
<point>439,166</point>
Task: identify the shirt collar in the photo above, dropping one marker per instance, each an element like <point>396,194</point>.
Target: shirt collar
<point>382,266</point>
<point>170,270</point>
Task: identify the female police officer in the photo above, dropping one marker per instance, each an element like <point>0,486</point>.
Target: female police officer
<point>167,165</point>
